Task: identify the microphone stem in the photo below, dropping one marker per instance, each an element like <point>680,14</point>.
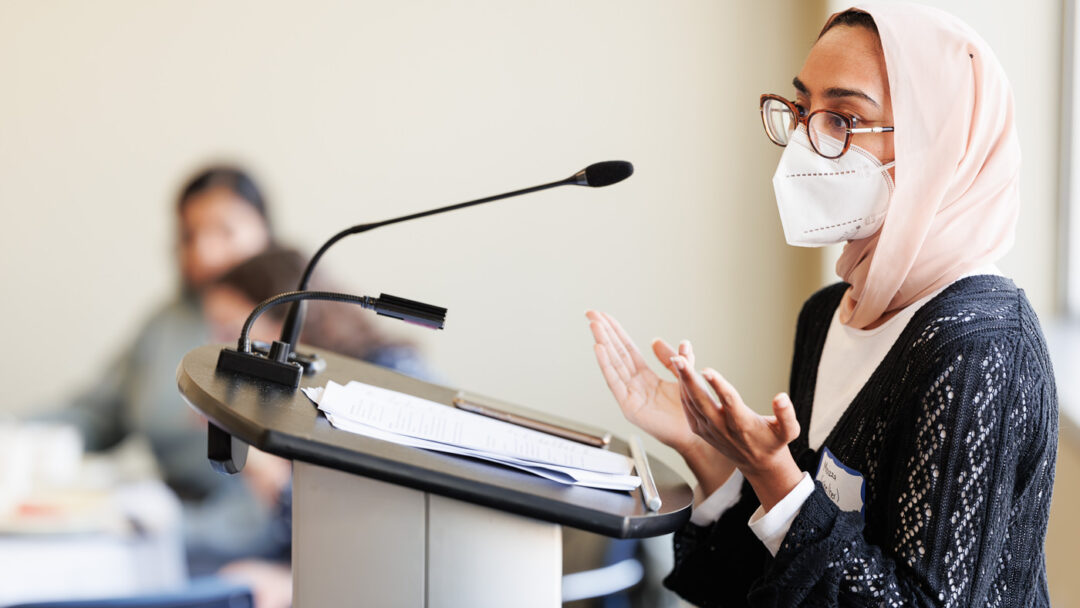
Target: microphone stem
<point>290,332</point>
<point>244,343</point>
<point>457,206</point>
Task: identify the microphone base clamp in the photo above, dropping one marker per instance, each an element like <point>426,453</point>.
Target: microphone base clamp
<point>312,363</point>
<point>286,373</point>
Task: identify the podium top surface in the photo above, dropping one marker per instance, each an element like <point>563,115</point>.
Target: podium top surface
<point>280,421</point>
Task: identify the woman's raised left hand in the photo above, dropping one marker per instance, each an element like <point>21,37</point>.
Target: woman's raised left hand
<point>756,444</point>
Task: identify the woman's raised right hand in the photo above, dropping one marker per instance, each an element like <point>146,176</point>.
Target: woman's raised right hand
<point>649,402</point>
<point>654,405</point>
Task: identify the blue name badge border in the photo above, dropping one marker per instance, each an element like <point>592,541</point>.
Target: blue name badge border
<point>826,452</point>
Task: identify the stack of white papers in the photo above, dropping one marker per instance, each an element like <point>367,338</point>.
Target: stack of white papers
<point>407,420</point>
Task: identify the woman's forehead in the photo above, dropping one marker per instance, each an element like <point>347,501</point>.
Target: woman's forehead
<point>846,59</point>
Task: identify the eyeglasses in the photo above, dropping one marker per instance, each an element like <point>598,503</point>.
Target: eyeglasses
<point>829,132</point>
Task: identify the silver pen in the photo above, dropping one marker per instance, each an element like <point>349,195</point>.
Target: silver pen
<point>641,463</point>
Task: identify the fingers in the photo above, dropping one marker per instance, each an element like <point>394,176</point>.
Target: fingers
<point>698,423</point>
<point>624,340</point>
<point>600,332</point>
<point>686,350</point>
<point>615,343</point>
<point>621,345</point>
<point>697,392</point>
<point>614,380</point>
<point>604,343</point>
<point>605,336</point>
<point>786,425</point>
<point>739,413</point>
<point>664,352</point>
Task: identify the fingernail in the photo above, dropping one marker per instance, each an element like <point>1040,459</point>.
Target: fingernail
<point>679,363</point>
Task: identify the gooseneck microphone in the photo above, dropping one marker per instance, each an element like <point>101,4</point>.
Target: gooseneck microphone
<point>596,175</point>
<point>387,305</point>
<point>282,366</point>
<point>275,365</point>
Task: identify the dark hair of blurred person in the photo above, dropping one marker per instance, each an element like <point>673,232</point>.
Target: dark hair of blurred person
<point>339,327</point>
<point>223,221</point>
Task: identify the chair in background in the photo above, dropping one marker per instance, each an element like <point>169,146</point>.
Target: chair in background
<point>201,593</point>
<point>610,584</point>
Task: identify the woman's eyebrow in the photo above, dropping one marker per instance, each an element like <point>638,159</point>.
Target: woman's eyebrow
<point>834,92</point>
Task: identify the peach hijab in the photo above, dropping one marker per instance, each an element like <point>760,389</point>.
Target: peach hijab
<point>957,197</point>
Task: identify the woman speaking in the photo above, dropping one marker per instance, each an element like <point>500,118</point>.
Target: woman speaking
<point>912,461</point>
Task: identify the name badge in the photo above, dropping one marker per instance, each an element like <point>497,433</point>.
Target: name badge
<point>843,485</point>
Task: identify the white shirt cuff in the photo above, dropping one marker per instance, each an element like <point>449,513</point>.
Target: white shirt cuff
<point>709,509</point>
<point>772,527</point>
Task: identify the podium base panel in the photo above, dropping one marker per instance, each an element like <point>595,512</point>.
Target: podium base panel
<point>363,542</point>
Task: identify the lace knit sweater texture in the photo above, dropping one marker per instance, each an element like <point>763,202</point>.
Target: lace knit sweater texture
<point>955,434</point>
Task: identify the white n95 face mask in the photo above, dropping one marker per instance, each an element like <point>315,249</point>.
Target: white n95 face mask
<point>828,201</point>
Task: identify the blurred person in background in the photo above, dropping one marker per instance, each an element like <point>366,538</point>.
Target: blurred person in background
<point>343,328</point>
<point>222,221</point>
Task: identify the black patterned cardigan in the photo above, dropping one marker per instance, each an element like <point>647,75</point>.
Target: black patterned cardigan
<point>955,433</point>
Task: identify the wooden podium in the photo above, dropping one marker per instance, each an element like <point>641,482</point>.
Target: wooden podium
<point>379,524</point>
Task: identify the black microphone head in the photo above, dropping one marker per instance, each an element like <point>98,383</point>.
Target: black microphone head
<point>603,173</point>
<point>410,311</point>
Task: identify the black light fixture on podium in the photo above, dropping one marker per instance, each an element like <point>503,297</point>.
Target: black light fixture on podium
<point>281,365</point>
